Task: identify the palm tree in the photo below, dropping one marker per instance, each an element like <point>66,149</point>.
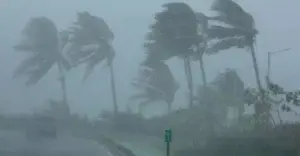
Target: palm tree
<point>44,46</point>
<point>230,85</point>
<point>92,45</point>
<point>155,83</point>
<point>226,90</point>
<point>238,30</point>
<point>202,21</point>
<point>173,34</point>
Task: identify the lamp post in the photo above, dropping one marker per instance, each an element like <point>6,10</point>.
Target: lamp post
<point>269,61</point>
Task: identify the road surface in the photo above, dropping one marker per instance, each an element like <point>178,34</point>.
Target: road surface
<point>14,143</point>
<point>141,145</point>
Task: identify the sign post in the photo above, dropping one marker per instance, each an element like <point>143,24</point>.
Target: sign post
<point>168,139</point>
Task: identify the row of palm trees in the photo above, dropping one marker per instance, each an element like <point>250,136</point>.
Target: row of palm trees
<point>178,31</point>
<point>87,41</point>
<point>181,32</point>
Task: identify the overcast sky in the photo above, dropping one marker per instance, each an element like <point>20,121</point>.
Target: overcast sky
<point>276,21</point>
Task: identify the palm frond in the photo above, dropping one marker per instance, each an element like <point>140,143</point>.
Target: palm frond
<point>91,40</point>
<point>28,63</point>
<point>64,37</point>
<point>40,35</point>
<point>226,44</point>
<point>156,81</point>
<point>90,28</point>
<point>202,21</point>
<point>233,14</point>
<point>37,74</point>
<point>146,88</point>
<point>230,87</point>
<point>79,54</point>
<point>174,31</point>
<point>41,40</point>
<point>220,32</point>
<point>64,63</point>
<point>91,63</point>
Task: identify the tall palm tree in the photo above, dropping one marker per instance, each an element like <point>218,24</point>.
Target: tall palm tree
<point>44,46</point>
<point>155,83</point>
<point>238,30</point>
<point>92,45</point>
<point>173,34</point>
<point>201,47</point>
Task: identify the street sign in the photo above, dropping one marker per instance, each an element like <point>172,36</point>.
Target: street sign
<point>168,139</point>
<point>168,135</point>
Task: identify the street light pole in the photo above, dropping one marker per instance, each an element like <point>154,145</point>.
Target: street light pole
<point>269,61</point>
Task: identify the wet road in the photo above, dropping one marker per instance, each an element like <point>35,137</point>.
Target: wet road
<point>16,144</point>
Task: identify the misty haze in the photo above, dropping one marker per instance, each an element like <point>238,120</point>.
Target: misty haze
<point>149,78</point>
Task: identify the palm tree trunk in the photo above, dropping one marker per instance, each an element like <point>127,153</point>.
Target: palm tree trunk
<point>262,113</point>
<point>188,73</point>
<point>209,106</point>
<point>63,85</point>
<point>255,66</point>
<point>113,88</point>
<point>64,91</point>
<point>203,74</point>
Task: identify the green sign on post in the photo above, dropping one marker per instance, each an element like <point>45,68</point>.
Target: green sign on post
<point>168,135</point>
<point>168,139</point>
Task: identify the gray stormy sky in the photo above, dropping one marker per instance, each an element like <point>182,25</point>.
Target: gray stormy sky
<point>276,21</point>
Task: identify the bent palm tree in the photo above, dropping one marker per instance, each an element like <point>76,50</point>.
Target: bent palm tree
<point>92,45</point>
<point>173,34</point>
<point>44,46</point>
<point>239,32</point>
<point>155,83</point>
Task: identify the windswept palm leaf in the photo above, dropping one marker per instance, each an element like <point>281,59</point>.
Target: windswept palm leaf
<point>239,30</point>
<point>230,84</point>
<point>233,14</point>
<point>91,38</point>
<point>147,91</point>
<point>90,28</point>
<point>175,30</point>
<point>225,44</point>
<point>155,82</point>
<point>40,38</point>
<point>147,95</point>
<point>220,32</point>
<point>202,21</point>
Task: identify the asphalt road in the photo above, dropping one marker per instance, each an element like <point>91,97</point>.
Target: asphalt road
<point>14,143</point>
